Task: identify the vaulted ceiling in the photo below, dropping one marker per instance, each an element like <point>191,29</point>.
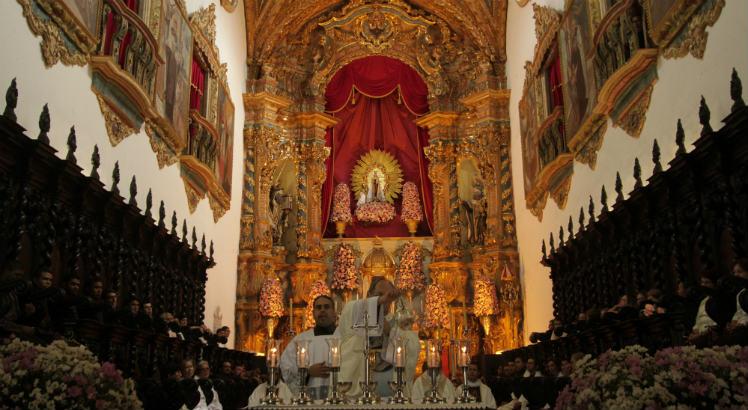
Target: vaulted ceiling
<point>271,22</point>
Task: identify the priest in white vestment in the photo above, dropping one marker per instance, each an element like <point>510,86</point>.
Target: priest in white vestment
<point>318,381</point>
<point>422,386</point>
<point>477,388</point>
<point>382,293</point>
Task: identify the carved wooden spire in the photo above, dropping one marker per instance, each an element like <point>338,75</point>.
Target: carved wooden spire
<point>551,243</point>
<point>11,101</point>
<point>619,188</point>
<point>591,210</point>
<point>736,91</point>
<point>604,199</point>
<point>637,174</point>
<point>133,192</point>
<point>194,238</point>
<point>704,116</point>
<point>148,203</point>
<point>680,138</point>
<point>161,214</point>
<point>95,163</point>
<point>184,230</point>
<point>581,219</point>
<point>44,124</point>
<point>115,178</point>
<point>560,236</point>
<point>656,157</point>
<point>174,222</point>
<point>202,245</point>
<point>211,249</point>
<point>72,146</point>
<point>570,227</point>
<point>543,250</point>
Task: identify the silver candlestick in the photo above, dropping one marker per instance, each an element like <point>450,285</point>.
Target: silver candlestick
<point>303,398</point>
<point>399,397</point>
<point>367,386</point>
<point>271,394</point>
<point>465,397</point>
<point>433,396</point>
<point>335,396</point>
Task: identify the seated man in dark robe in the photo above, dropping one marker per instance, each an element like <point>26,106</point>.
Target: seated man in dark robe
<point>130,318</point>
<point>38,300</point>
<point>95,304</point>
<point>66,311</point>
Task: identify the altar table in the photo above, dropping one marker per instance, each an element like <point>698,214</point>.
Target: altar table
<point>380,406</point>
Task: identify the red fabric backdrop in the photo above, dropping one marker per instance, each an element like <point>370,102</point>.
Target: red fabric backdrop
<point>377,100</point>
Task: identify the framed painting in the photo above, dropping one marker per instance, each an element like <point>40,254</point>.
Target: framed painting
<point>176,45</point>
<point>578,77</point>
<point>87,14</point>
<point>666,18</point>
<point>225,125</point>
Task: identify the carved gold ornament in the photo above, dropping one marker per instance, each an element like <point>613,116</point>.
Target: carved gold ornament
<point>53,32</point>
<point>377,169</point>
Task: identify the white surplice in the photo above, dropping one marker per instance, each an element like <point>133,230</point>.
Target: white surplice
<point>486,396</point>
<point>422,386</point>
<point>318,353</point>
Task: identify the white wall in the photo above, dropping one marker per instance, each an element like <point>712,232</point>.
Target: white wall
<point>67,90</point>
<point>676,95</point>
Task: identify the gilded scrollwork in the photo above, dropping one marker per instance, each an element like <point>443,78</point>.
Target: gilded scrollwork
<point>693,37</point>
<point>54,46</point>
<point>116,129</point>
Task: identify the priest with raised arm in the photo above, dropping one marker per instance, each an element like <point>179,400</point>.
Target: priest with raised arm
<point>318,381</point>
<point>387,328</point>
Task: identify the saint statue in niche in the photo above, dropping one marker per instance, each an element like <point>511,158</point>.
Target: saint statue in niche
<point>376,184</point>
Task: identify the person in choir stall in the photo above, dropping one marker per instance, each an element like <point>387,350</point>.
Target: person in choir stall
<point>423,384</point>
<point>95,302</point>
<point>188,369</point>
<point>227,387</point>
<point>284,393</point>
<point>380,297</point>
<point>146,317</point>
<point>209,398</point>
<point>69,304</point>
<point>476,387</point>
<point>519,366</point>
<point>319,370</point>
<point>551,369</point>
<point>110,313</point>
<point>172,397</point>
<point>531,369</point>
<point>130,317</point>
<point>566,368</point>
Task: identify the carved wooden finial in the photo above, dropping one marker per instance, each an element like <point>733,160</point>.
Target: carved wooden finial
<point>619,187</point>
<point>95,162</point>
<point>194,237</point>
<point>11,101</point>
<point>656,157</point>
<point>736,91</point>
<point>570,227</point>
<point>184,231</point>
<point>115,178</point>
<point>174,222</point>
<point>72,146</point>
<point>202,245</point>
<point>561,236</point>
<point>591,210</point>
<point>550,242</point>
<point>704,116</point>
<point>637,173</point>
<point>133,192</point>
<point>44,124</point>
<point>211,249</point>
<point>604,199</point>
<point>581,219</point>
<point>543,250</point>
<point>680,138</point>
<point>161,214</point>
<point>148,203</point>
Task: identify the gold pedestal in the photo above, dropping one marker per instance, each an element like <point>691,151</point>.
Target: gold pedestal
<point>340,228</point>
<point>412,225</point>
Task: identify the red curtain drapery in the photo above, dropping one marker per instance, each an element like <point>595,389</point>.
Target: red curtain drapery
<point>197,85</point>
<point>377,100</point>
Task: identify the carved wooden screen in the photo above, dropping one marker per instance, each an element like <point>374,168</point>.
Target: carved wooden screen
<point>687,219</point>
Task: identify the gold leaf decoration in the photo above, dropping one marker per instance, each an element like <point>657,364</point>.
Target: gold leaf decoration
<point>381,165</point>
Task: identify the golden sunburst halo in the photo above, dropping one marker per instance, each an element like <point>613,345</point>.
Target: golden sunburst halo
<point>382,164</point>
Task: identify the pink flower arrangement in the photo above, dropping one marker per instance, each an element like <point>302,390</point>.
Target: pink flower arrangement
<point>345,272</point>
<point>341,210</point>
<point>375,212</point>
<point>319,288</point>
<point>485,302</point>
<point>411,204</point>
<point>271,298</point>
<point>437,313</point>
<point>61,376</point>
<point>409,274</point>
<point>679,377</point>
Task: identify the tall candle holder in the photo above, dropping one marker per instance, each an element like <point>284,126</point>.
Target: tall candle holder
<point>333,344</point>
<point>271,357</point>
<point>463,362</point>
<point>433,360</point>
<point>367,386</point>
<point>302,362</point>
<point>399,383</point>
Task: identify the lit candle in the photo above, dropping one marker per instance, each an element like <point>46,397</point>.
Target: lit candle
<point>433,357</point>
<point>334,356</point>
<point>399,362</point>
<point>273,357</point>
<point>463,359</point>
<point>302,358</point>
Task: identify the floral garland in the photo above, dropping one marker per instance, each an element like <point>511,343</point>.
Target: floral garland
<point>678,377</point>
<point>345,273</point>
<point>411,204</point>
<point>409,274</point>
<point>319,288</point>
<point>375,212</point>
<point>437,314</point>
<point>271,298</point>
<point>341,211</point>
<point>485,301</point>
<point>60,376</point>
